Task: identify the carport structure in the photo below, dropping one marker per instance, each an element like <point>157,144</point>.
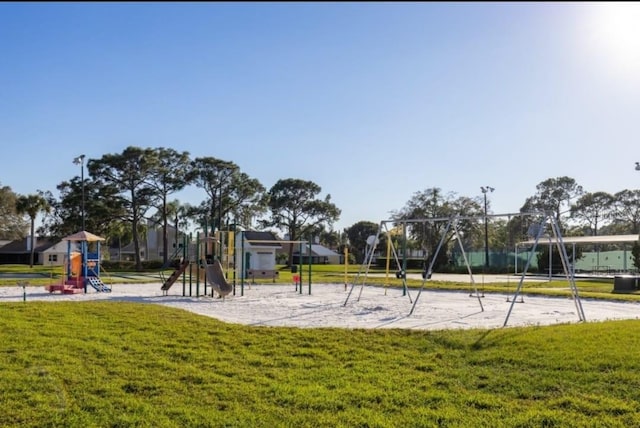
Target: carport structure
<point>575,241</point>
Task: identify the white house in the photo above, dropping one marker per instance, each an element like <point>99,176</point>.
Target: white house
<point>46,252</point>
<point>55,255</point>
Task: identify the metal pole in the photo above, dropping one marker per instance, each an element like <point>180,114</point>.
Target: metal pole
<point>234,256</point>
<point>184,257</point>
<point>388,264</point>
<point>484,190</point>
<point>243,270</point>
<point>486,234</point>
<point>346,266</point>
<point>300,265</point>
<point>79,160</point>
<point>82,180</point>
<point>550,258</point>
<point>310,242</point>
<point>404,258</point>
<point>220,224</point>
<point>83,245</point>
<point>201,262</point>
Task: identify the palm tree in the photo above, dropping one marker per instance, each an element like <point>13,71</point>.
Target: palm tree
<point>121,231</point>
<point>32,205</point>
<point>178,214</point>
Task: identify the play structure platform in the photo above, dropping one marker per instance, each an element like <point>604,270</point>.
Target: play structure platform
<point>81,268</point>
<point>76,285</point>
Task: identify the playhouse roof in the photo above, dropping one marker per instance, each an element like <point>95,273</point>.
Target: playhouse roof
<point>261,239</point>
<point>83,236</point>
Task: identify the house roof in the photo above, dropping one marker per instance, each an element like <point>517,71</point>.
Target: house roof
<point>264,239</point>
<point>317,250</point>
<point>20,246</point>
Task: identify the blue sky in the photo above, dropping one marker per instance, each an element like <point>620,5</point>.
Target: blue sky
<point>371,101</point>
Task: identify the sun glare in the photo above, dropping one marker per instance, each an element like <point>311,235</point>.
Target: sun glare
<point>614,36</point>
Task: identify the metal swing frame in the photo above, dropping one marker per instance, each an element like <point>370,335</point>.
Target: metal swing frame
<point>452,222</point>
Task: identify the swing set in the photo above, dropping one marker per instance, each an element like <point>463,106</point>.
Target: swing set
<point>451,231</point>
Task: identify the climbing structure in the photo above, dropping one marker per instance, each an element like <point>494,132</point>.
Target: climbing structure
<point>82,267</point>
<point>174,276</point>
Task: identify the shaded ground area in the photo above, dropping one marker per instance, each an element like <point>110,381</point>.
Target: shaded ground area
<point>462,278</point>
<point>155,276</point>
<point>12,275</point>
<point>135,276</point>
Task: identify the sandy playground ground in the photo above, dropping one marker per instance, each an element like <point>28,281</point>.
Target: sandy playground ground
<point>367,307</point>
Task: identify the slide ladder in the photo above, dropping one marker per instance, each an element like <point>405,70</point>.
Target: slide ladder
<point>98,285</point>
<point>175,275</point>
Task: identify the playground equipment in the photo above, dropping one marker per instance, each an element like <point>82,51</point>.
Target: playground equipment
<point>71,267</point>
<point>197,262</point>
<point>187,260</point>
<point>346,266</point>
<point>184,264</point>
<point>256,258</point>
<point>216,278</point>
<point>257,255</point>
<point>81,268</point>
<point>245,255</point>
<point>544,220</point>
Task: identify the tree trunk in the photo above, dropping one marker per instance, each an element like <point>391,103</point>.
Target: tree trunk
<point>165,240</point>
<point>136,246</point>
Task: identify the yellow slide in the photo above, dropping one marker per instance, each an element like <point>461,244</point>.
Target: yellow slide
<point>76,265</point>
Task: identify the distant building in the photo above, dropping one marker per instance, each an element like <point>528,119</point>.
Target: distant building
<point>151,247</point>
<point>319,255</point>
<point>46,252</point>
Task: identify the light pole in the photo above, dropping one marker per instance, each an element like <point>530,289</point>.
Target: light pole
<point>220,224</point>
<point>80,161</point>
<point>486,189</point>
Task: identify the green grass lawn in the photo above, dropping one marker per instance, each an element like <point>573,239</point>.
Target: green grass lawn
<point>123,364</point>
<point>105,364</point>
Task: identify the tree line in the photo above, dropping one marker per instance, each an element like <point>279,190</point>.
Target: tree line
<point>576,211</point>
<point>122,191</point>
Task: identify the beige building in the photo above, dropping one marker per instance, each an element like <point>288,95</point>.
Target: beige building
<point>46,252</point>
